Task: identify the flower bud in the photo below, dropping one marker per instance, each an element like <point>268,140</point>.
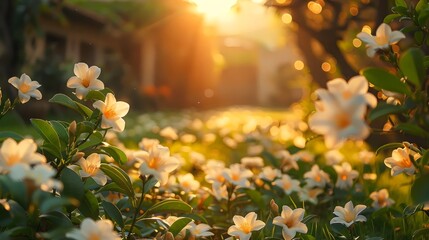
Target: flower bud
<point>274,207</point>
<point>72,128</point>
<point>77,156</point>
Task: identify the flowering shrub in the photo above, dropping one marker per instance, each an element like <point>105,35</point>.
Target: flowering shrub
<point>234,174</point>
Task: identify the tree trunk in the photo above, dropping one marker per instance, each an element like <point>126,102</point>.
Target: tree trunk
<point>313,62</point>
<point>6,45</point>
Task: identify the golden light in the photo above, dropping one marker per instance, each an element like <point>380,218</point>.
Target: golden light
<point>367,29</point>
<point>354,10</point>
<point>213,9</point>
<point>286,18</point>
<point>315,7</point>
<point>281,1</point>
<point>326,67</point>
<point>357,42</point>
<point>299,65</point>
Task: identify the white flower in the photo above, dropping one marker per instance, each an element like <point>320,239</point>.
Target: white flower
<point>41,175</point>
<point>269,173</point>
<point>252,162</point>
<point>157,162</point>
<point>288,161</point>
<point>219,191</point>
<point>400,162</point>
<point>85,79</point>
<point>113,112</point>
<point>26,88</point>
<point>349,214</point>
<point>309,194</point>
<point>346,175</point>
<point>188,183</point>
<point>237,175</point>
<point>288,184</point>
<point>200,230</point>
<point>90,167</point>
<point>169,133</point>
<point>148,143</point>
<point>366,156</point>
<point>214,171</point>
<point>381,199</point>
<point>382,40</point>
<point>24,152</point>
<point>339,120</point>
<point>91,230</point>
<point>357,86</point>
<point>245,225</point>
<point>316,177</point>
<point>291,222</point>
<point>333,157</point>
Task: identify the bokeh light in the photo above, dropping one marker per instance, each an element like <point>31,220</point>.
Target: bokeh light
<point>326,67</point>
<point>299,65</point>
<point>286,18</point>
<point>357,42</point>
<point>315,7</point>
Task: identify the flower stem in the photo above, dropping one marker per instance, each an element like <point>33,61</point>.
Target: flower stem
<point>143,178</point>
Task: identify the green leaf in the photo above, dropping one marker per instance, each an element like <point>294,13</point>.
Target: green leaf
<point>95,139</point>
<point>8,134</point>
<point>149,184</point>
<point>411,64</point>
<point>47,131</point>
<point>421,233</point>
<point>423,17</point>
<point>54,203</point>
<point>62,132</point>
<point>385,80</point>
<point>256,197</point>
<point>84,127</point>
<point>119,177</point>
<point>425,158</point>
<point>422,4</point>
<point>72,184</point>
<point>178,225</point>
<point>420,189</point>
<point>116,154</point>
<point>112,187</point>
<point>401,3</point>
<point>384,109</point>
<point>57,219</point>
<point>89,205</point>
<point>307,237</point>
<point>412,128</point>
<point>95,95</point>
<point>389,18</point>
<point>66,101</point>
<point>168,206</point>
<point>388,146</point>
<point>113,213</point>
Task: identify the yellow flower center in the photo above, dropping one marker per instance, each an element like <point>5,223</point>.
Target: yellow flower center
<point>289,222</point>
<point>110,113</point>
<point>349,216</point>
<point>344,177</point>
<point>342,120</point>
<point>153,163</point>
<point>86,81</point>
<point>381,40</point>
<point>91,169</point>
<point>405,163</point>
<point>24,88</point>
<point>317,178</point>
<point>94,236</point>
<point>13,159</point>
<point>286,185</point>
<point>347,95</point>
<point>235,176</point>
<point>246,228</point>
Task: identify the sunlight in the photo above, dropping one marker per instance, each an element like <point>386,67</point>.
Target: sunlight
<point>214,9</point>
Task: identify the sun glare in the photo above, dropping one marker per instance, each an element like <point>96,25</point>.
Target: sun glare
<point>213,9</point>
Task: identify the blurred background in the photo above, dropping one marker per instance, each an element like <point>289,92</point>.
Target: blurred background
<point>189,54</point>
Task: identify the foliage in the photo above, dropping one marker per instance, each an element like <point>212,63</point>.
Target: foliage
<point>273,178</point>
